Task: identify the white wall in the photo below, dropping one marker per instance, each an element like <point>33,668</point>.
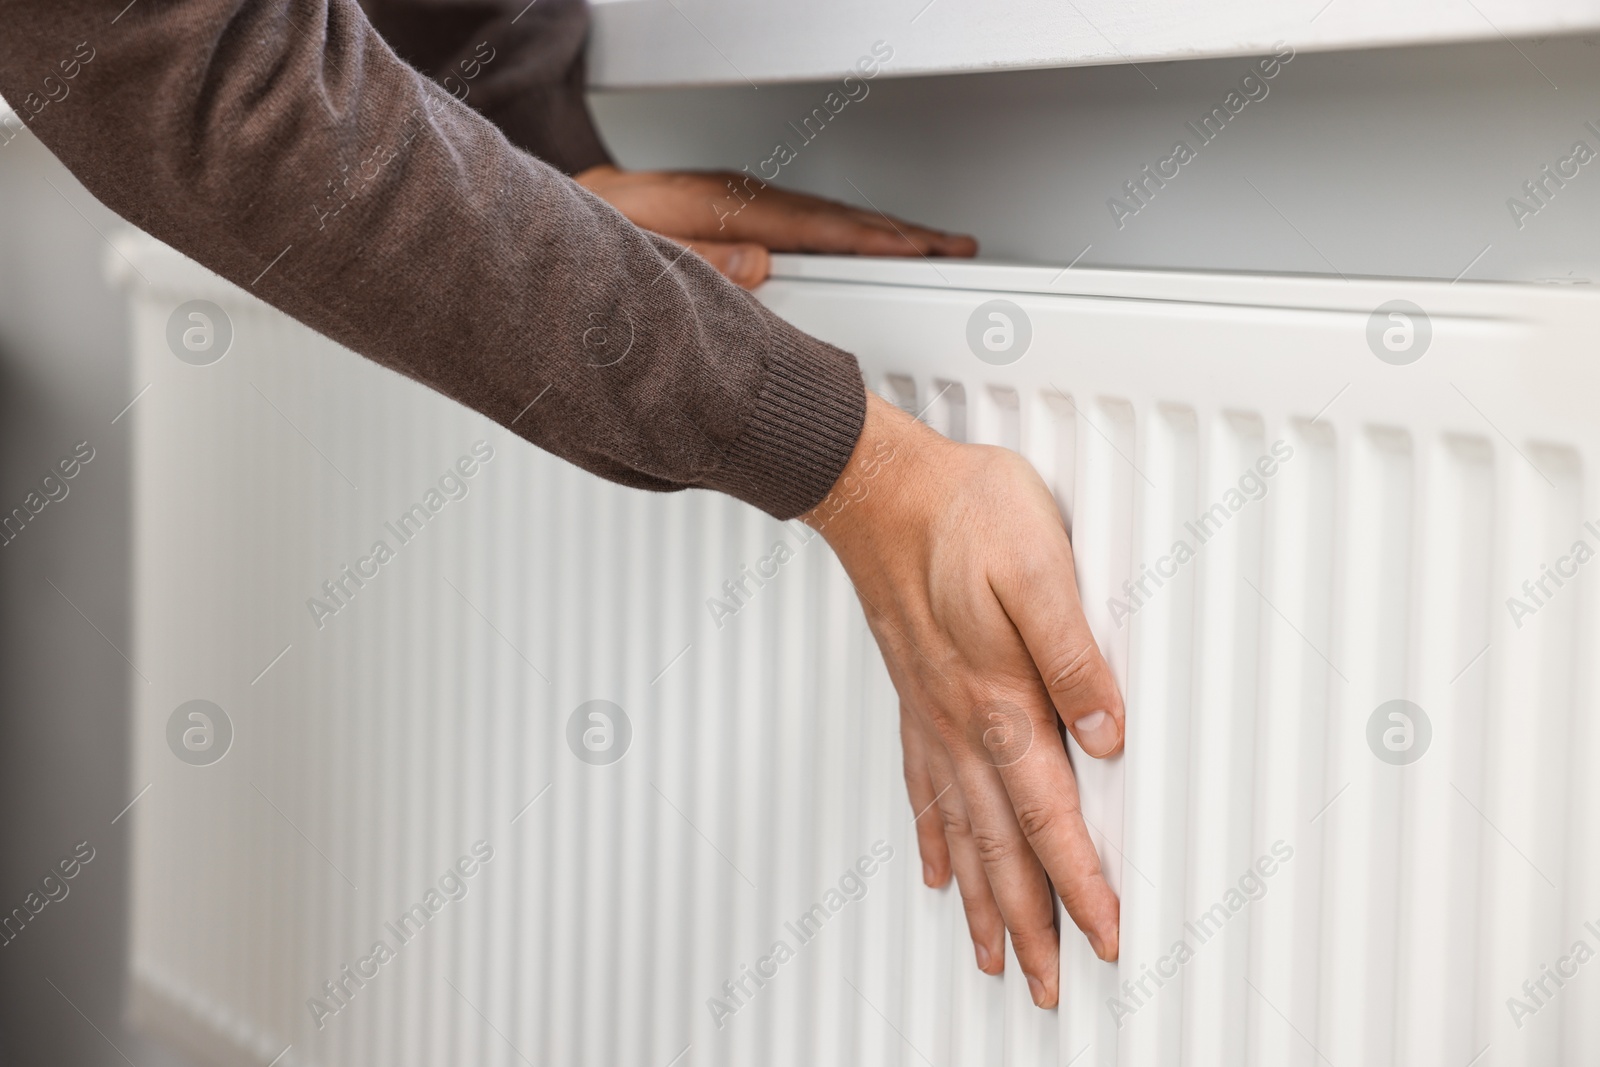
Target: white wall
<point>1392,162</point>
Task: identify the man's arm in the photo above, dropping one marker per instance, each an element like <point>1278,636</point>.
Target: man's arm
<point>285,146</point>
<point>282,144</point>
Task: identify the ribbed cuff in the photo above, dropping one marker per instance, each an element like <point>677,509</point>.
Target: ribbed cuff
<point>803,430</point>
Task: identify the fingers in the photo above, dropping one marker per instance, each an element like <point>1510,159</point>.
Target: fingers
<point>1041,598</point>
<point>796,222</point>
<point>741,262</point>
<point>1021,891</point>
<point>984,922</point>
<point>1043,793</point>
<point>924,803</point>
<point>740,208</point>
<point>930,241</point>
<point>1003,887</point>
<point>820,226</point>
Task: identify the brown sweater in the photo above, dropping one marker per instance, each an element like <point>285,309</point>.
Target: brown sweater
<point>284,144</point>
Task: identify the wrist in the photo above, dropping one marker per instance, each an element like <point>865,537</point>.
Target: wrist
<point>877,496</point>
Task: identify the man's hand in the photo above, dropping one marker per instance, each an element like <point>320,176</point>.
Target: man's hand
<point>965,573</point>
<point>734,220</point>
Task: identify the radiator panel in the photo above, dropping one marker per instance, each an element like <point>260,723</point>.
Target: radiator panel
<point>432,710</point>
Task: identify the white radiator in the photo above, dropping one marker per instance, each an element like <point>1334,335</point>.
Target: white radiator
<point>1355,527</point>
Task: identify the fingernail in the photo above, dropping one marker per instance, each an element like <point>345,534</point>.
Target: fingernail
<point>1098,945</point>
<point>738,262</point>
<point>927,875</point>
<point>1036,987</point>
<point>1096,732</point>
<point>985,958</point>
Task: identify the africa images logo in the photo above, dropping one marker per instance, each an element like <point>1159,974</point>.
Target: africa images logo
<point>999,332</point>
<point>199,732</point>
<point>599,732</point>
<point>199,332</point>
<point>1399,332</point>
<point>1399,732</point>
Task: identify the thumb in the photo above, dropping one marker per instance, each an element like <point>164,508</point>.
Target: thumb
<point>742,262</point>
<point>1046,611</point>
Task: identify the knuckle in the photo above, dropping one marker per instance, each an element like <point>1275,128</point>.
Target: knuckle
<point>949,733</point>
<point>1040,821</point>
<point>1001,732</point>
<point>993,848</point>
<point>1080,885</point>
<point>1074,670</point>
<point>955,822</point>
<point>1035,940</point>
